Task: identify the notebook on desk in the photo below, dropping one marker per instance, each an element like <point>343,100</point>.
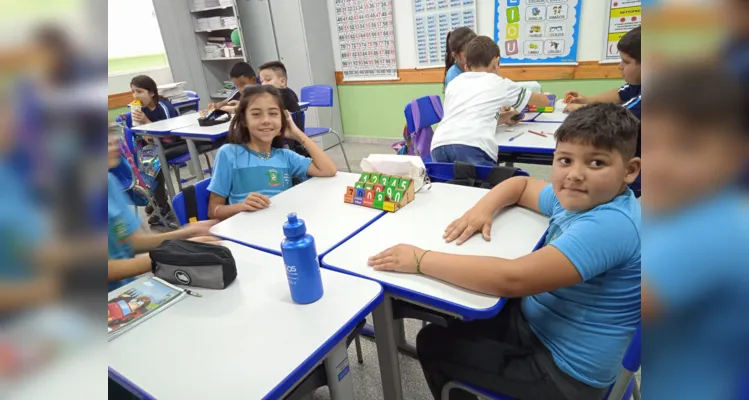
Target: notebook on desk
<point>137,302</point>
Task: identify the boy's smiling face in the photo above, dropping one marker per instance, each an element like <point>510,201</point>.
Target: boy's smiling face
<point>584,176</point>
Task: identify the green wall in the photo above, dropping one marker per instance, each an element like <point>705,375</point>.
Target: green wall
<point>114,112</point>
<point>127,64</point>
<point>377,110</point>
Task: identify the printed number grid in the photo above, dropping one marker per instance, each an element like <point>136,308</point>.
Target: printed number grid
<point>367,43</point>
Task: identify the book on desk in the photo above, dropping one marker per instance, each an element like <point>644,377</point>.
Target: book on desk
<point>139,301</point>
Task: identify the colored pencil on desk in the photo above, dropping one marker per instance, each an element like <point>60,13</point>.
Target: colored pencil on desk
<point>537,133</point>
<point>516,136</point>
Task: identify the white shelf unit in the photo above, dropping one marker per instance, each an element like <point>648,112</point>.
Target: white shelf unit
<point>185,41</point>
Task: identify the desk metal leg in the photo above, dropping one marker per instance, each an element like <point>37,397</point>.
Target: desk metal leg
<point>387,350</point>
<point>164,168</point>
<point>197,170</point>
<point>338,373</point>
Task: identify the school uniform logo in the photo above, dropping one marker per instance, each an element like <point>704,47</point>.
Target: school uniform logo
<point>120,232</point>
<point>273,178</point>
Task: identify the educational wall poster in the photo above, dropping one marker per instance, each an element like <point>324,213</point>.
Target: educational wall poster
<point>622,17</point>
<point>537,31</point>
<point>367,43</point>
<point>433,19</point>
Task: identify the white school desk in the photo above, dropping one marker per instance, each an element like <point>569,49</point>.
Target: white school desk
<point>246,341</point>
<point>318,201</point>
<point>557,116</point>
<point>527,148</point>
<point>200,133</point>
<point>515,232</point>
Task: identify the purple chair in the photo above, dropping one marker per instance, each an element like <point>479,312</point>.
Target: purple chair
<point>322,96</point>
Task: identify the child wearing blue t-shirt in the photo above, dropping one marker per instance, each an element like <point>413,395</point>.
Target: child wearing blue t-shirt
<point>695,296</point>
<point>124,238</point>
<point>455,52</point>
<point>254,166</point>
<point>575,303</point>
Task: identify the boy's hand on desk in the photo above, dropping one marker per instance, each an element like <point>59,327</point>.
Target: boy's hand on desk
<point>575,97</point>
<point>400,258</point>
<point>197,229</point>
<point>474,220</point>
<point>506,114</point>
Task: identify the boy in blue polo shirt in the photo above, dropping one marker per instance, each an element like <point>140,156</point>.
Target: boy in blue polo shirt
<point>695,296</point>
<point>124,238</point>
<point>575,303</point>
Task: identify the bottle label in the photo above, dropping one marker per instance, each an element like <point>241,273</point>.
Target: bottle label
<point>292,275</point>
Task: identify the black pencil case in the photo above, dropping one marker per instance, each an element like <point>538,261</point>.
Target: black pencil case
<point>204,265</point>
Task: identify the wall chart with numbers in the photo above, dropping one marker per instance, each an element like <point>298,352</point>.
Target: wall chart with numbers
<point>537,31</point>
<point>367,43</point>
<point>621,17</point>
<point>433,19</point>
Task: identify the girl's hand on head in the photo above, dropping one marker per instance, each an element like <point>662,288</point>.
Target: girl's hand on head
<point>292,131</point>
<point>256,201</point>
<point>474,220</point>
<point>400,258</point>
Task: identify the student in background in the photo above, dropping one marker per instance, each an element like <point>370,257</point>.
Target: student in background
<point>241,75</point>
<point>254,166</point>
<point>155,108</point>
<point>455,53</point>
<point>124,238</point>
<point>474,106</point>
<point>575,303</point>
<point>629,94</point>
<point>274,73</point>
<point>695,293</point>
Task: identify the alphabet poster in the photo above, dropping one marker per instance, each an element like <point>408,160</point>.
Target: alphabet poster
<point>433,19</point>
<point>365,36</point>
<point>621,17</point>
<point>537,31</point>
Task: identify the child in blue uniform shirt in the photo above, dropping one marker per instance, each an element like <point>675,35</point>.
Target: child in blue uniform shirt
<point>578,297</point>
<point>254,166</point>
<point>695,296</point>
<point>123,235</point>
<point>455,52</point>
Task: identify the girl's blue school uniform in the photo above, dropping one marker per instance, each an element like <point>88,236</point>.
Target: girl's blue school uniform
<point>452,73</point>
<point>240,171</point>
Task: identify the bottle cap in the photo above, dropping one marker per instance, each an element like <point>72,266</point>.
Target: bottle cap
<point>294,226</point>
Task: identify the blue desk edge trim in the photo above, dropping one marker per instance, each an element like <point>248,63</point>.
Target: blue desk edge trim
<point>530,150</point>
<point>128,384</point>
<point>466,313</point>
<point>317,356</point>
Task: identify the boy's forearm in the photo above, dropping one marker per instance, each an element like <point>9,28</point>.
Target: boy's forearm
<point>143,242</point>
<point>505,194</point>
<point>20,295</point>
<point>121,269</point>
<point>610,96</point>
<point>489,275</point>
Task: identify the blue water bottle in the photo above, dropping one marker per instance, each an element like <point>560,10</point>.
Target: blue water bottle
<point>300,257</point>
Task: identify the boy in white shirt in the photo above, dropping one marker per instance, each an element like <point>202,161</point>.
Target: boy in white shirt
<point>475,103</point>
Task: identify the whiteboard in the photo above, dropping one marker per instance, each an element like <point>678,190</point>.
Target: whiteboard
<point>592,30</point>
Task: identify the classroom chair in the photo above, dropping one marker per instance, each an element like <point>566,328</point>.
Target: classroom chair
<point>623,388</point>
<point>191,205</point>
<point>421,114</point>
<point>322,96</point>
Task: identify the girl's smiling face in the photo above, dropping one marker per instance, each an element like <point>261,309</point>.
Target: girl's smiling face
<point>264,118</point>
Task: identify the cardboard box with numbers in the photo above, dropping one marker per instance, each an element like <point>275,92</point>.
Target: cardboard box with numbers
<point>380,191</point>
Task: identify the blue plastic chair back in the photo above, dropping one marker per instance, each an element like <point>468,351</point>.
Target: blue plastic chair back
<point>201,198</point>
<point>318,95</point>
<point>633,356</point>
<point>426,110</point>
<point>444,172</point>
